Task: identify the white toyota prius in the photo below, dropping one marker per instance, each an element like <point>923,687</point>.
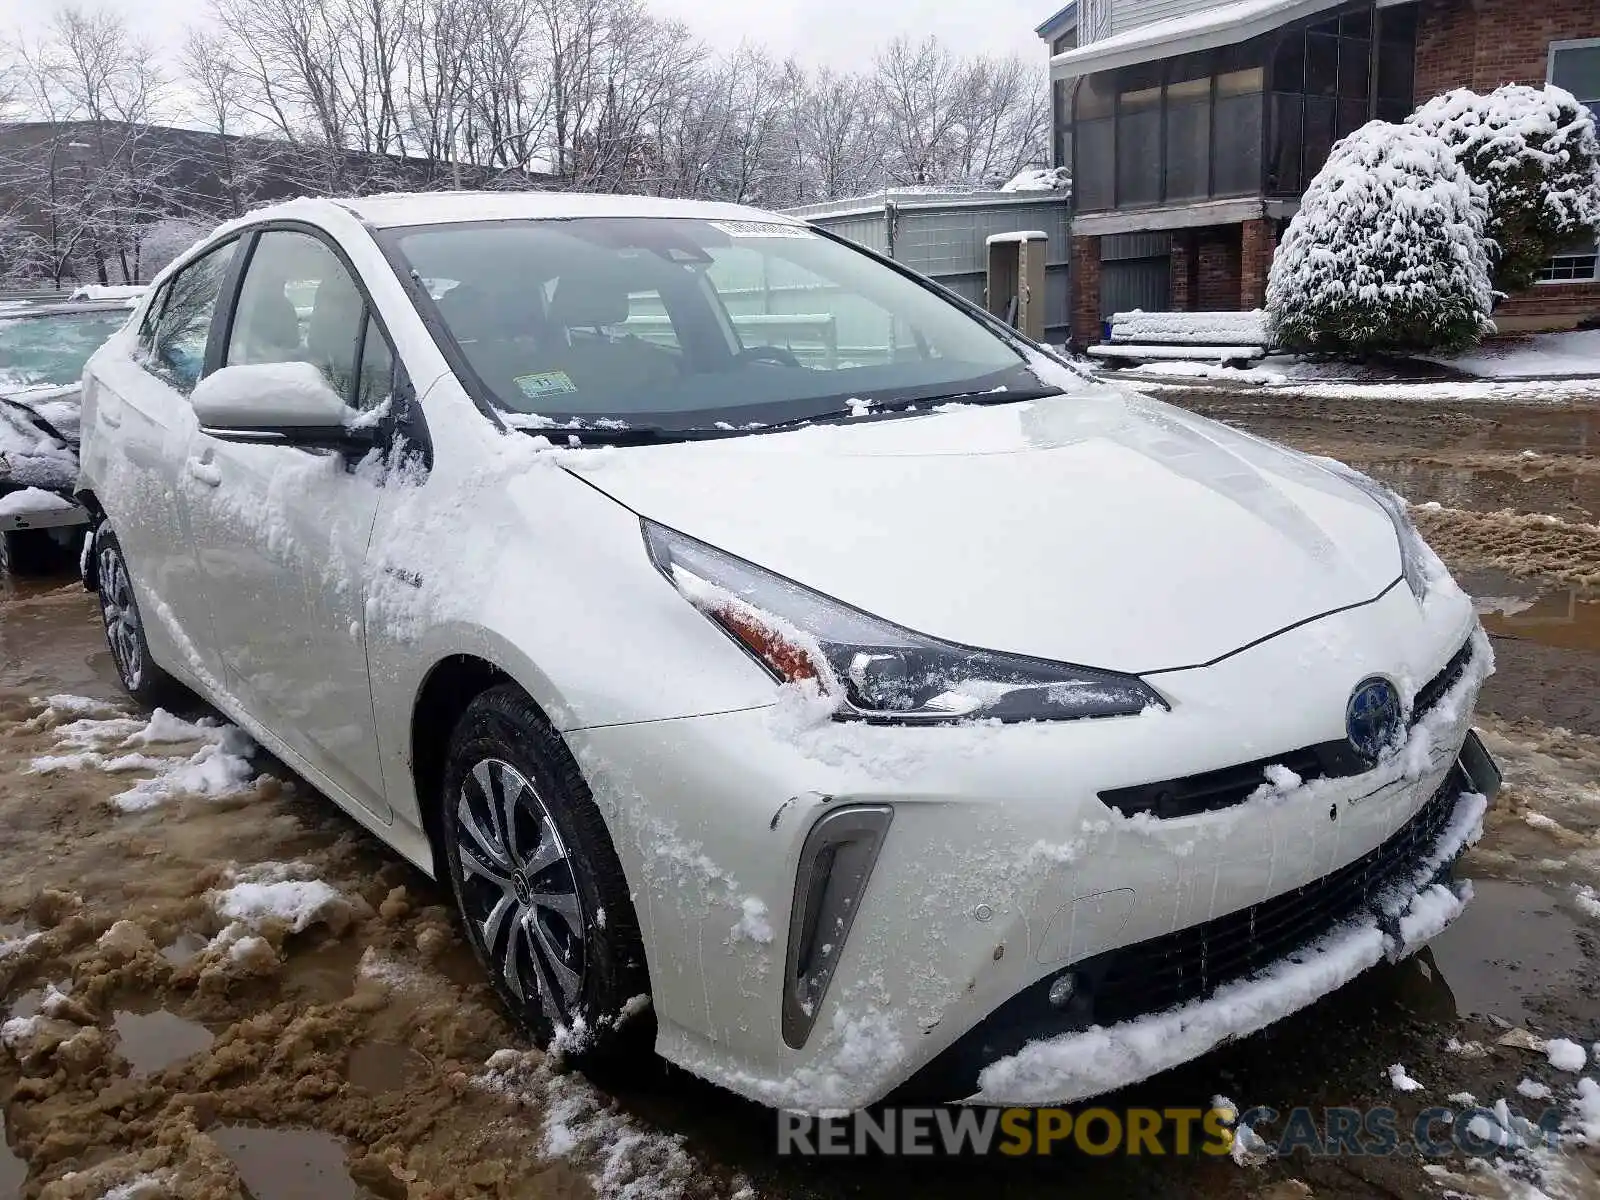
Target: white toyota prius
<point>772,650</point>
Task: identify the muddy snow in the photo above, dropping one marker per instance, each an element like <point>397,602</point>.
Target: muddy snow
<point>214,985</point>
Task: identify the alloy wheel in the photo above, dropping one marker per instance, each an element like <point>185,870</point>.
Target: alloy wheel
<point>518,889</point>
<point>122,618</point>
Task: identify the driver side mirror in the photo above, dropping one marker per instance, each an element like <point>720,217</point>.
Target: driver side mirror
<point>287,403</point>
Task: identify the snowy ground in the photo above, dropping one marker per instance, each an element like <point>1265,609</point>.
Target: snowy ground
<point>1537,356</point>
<point>210,981</point>
<point>1544,367</point>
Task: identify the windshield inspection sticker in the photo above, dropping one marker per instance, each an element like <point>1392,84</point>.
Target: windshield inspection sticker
<point>545,383</point>
<point>761,229</point>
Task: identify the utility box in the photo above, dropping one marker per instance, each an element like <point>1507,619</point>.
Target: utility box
<point>1014,282</point>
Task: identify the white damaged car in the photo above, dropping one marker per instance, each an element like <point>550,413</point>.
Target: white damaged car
<point>747,630</point>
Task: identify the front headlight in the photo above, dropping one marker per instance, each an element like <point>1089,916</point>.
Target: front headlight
<point>1418,563</point>
<point>873,669</point>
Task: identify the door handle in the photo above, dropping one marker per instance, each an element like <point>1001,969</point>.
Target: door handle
<point>109,418</point>
<point>205,471</point>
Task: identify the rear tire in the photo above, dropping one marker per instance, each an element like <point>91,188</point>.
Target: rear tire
<point>538,883</point>
<point>147,683</point>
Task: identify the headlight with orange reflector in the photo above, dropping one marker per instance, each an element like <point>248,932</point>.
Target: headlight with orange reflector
<point>873,669</point>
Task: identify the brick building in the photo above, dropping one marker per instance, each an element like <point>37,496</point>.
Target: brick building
<point>1193,128</point>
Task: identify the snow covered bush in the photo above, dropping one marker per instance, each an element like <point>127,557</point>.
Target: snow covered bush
<point>1535,152</point>
<point>1039,179</point>
<point>1386,254</point>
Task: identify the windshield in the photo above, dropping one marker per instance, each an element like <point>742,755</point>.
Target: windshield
<point>51,349</point>
<point>676,324</point>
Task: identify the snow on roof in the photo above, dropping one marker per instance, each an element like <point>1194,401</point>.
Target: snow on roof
<point>1223,25</point>
<point>435,208</point>
<point>1017,235</point>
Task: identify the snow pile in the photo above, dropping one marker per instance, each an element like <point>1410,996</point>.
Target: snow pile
<point>1565,1054</point>
<point>1586,1112</point>
<point>1040,179</point>
<point>115,291</point>
<point>1535,1161</point>
<point>1535,153</point>
<point>282,895</point>
<point>1401,1081</point>
<point>1185,369</point>
<point>16,945</point>
<point>624,1157</point>
<point>1587,900</point>
<point>153,1185</point>
<point>1249,1148</point>
<point>1386,252</point>
<point>219,765</point>
<point>31,500</point>
<point>1201,328</point>
<point>1540,356</point>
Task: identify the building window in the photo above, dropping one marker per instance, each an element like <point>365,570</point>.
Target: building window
<point>1572,268</point>
<point>1576,67</point>
<point>1329,78</point>
<point>1171,131</point>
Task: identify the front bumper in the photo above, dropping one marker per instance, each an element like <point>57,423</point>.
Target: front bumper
<point>1003,865</point>
<point>1144,1008</point>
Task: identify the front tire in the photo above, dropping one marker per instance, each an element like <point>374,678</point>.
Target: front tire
<point>538,883</point>
<point>147,683</point>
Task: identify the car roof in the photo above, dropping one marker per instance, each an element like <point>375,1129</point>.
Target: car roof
<point>436,208</point>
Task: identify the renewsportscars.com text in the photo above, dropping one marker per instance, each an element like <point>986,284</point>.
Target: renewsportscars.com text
<point>959,1132</point>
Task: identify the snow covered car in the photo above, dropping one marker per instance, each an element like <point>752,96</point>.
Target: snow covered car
<point>745,629</point>
<point>43,346</point>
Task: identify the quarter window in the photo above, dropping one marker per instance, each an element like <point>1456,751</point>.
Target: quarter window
<point>147,323</point>
<point>298,303</point>
<point>178,350</point>
<point>377,368</point>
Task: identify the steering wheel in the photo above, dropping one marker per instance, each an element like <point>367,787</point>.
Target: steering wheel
<point>772,354</point>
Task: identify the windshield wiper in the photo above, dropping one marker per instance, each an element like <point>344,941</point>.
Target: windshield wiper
<point>620,435</point>
<point>868,407</point>
<point>614,434</point>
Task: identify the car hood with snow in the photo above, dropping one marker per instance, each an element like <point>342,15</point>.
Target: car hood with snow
<point>1058,528</point>
<point>38,436</point>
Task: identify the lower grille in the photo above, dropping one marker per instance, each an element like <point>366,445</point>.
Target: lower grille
<point>1228,786</point>
<point>1192,963</point>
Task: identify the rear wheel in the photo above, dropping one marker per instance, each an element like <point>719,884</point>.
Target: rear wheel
<point>538,883</point>
<point>145,682</point>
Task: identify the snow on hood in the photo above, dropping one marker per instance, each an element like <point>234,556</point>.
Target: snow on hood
<point>1095,528</point>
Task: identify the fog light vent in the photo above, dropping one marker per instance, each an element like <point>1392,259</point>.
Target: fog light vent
<point>835,864</point>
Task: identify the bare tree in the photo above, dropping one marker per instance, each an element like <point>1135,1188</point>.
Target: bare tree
<point>105,176</point>
<point>215,87</point>
<point>335,96</point>
<point>838,137</point>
